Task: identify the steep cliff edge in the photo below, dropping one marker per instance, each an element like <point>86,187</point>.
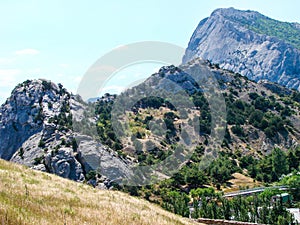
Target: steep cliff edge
<point>249,43</point>
<point>36,129</point>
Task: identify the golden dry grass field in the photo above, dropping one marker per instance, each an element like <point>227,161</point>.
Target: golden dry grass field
<point>241,181</point>
<point>32,197</point>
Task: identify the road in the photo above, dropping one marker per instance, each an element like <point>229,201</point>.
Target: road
<point>253,191</point>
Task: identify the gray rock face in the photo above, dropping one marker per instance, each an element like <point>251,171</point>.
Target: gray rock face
<point>23,114</point>
<point>226,41</point>
<point>95,156</point>
<point>64,164</point>
<point>36,130</point>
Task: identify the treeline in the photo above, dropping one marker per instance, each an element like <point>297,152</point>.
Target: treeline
<point>269,114</point>
<point>255,209</point>
<point>273,166</point>
<point>175,194</point>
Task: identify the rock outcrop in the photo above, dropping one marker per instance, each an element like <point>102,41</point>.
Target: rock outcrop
<point>38,123</point>
<point>247,42</point>
<point>36,130</point>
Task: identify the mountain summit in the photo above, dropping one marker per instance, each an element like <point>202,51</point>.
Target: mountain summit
<point>37,129</point>
<point>249,43</point>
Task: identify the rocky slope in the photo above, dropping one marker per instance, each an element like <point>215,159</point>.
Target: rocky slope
<point>39,122</point>
<point>249,43</point>
<point>36,129</point>
<point>244,122</point>
<point>242,115</point>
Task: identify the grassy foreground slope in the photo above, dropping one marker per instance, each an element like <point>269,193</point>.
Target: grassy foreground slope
<point>32,197</point>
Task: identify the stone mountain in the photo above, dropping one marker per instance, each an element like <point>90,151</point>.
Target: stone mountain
<point>36,130</point>
<point>249,43</point>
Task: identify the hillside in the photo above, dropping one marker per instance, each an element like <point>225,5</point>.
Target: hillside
<point>259,146</point>
<point>171,126</point>
<point>137,137</point>
<point>33,197</point>
<point>38,129</point>
<point>259,116</point>
<point>249,43</point>
<point>227,119</point>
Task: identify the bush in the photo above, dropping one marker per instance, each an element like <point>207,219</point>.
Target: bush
<point>47,85</point>
<point>41,144</point>
<point>150,146</point>
<point>91,175</point>
<point>253,95</point>
<point>38,160</point>
<point>238,130</point>
<point>256,117</point>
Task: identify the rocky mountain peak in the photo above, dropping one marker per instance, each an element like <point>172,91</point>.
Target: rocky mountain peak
<point>36,129</point>
<point>27,111</point>
<point>233,13</point>
<point>249,43</point>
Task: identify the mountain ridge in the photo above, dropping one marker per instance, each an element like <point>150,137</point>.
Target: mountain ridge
<point>224,40</point>
<point>38,130</point>
<point>262,122</point>
<point>51,144</point>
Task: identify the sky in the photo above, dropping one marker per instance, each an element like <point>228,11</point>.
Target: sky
<point>60,40</point>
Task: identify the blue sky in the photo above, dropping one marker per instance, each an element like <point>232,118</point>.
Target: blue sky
<point>60,40</point>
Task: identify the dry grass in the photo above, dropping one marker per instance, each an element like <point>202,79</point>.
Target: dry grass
<point>32,197</point>
<point>139,126</point>
<point>241,181</point>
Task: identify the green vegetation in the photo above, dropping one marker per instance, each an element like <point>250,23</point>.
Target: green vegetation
<point>104,125</point>
<point>266,114</point>
<point>38,160</point>
<point>263,25</point>
<point>272,167</point>
<point>293,182</point>
<point>154,131</point>
<point>189,185</point>
<point>64,119</point>
<point>46,85</point>
<point>256,209</point>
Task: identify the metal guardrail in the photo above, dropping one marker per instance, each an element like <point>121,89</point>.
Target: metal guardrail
<point>253,191</point>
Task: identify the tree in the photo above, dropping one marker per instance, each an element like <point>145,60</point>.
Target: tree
<point>149,146</point>
<point>256,117</point>
<point>177,203</point>
<point>279,162</point>
<point>238,130</point>
<point>226,208</point>
<point>294,185</point>
<point>195,176</point>
<point>292,159</point>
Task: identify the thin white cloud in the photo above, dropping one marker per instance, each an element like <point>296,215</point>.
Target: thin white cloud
<point>6,61</point>
<point>27,51</point>
<point>34,71</point>
<point>114,89</point>
<point>9,72</point>
<point>64,65</point>
<point>77,79</point>
<point>8,77</point>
